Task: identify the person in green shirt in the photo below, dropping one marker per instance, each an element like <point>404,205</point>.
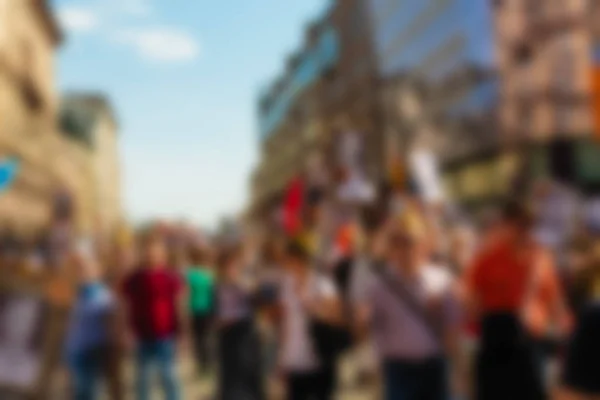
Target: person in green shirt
<point>201,289</point>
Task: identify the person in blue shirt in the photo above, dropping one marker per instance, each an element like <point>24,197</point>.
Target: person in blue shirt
<point>90,336</point>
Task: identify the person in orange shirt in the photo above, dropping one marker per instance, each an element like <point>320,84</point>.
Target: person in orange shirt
<point>513,292</point>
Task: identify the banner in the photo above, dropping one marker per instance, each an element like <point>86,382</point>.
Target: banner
<point>595,29</point>
<point>596,90</point>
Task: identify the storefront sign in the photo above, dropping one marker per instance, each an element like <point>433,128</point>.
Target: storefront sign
<point>8,172</point>
<point>479,180</point>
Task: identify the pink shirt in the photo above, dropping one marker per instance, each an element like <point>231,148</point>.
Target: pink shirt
<point>397,332</point>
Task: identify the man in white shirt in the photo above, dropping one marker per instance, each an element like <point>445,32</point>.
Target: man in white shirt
<point>307,297</point>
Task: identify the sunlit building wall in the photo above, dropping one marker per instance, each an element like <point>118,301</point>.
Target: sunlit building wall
<point>544,53</point>
<point>28,104</point>
<point>89,121</point>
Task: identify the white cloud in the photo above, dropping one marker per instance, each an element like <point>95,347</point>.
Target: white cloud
<point>137,7</point>
<point>78,19</point>
<point>161,44</point>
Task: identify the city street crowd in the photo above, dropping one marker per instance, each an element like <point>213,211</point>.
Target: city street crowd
<point>428,302</point>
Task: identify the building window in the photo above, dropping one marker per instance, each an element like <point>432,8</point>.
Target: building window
<point>563,77</point>
<point>534,8</point>
<point>29,91</point>
<point>523,54</point>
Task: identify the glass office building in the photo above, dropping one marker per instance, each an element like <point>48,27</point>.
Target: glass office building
<point>434,39</point>
<point>439,42</point>
<point>310,64</point>
<point>434,36</point>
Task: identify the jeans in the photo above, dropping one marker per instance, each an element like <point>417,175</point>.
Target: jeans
<point>201,326</point>
<point>240,375</point>
<point>317,385</point>
<point>415,380</point>
<point>159,353</point>
<point>87,367</point>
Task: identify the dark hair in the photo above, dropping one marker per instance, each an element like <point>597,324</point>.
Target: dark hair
<point>271,251</point>
<point>517,212</point>
<point>226,256</point>
<point>197,255</point>
<point>149,238</point>
<point>296,251</point>
<point>372,218</point>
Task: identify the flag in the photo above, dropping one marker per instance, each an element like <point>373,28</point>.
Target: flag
<point>292,207</point>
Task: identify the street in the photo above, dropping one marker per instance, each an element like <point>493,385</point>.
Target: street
<point>195,388</point>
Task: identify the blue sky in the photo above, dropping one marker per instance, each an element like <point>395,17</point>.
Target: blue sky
<point>183,76</point>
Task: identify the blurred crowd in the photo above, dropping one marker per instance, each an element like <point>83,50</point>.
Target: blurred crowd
<point>428,302</point>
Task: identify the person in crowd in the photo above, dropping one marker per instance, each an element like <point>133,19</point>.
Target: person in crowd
<point>409,307</point>
<point>90,341</point>
<point>580,375</point>
<point>513,292</point>
<point>460,249</point>
<point>310,307</point>
<point>342,250</point>
<point>271,276</point>
<point>201,290</point>
<point>122,262</point>
<point>152,294</point>
<point>240,374</point>
<point>583,266</point>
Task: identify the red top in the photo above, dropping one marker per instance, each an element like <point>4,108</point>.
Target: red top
<point>504,278</point>
<point>151,296</point>
<point>499,277</point>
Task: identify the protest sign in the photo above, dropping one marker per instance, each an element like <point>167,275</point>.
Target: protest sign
<point>424,168</point>
<point>31,332</point>
<point>21,339</point>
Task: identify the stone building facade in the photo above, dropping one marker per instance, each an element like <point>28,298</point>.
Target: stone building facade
<point>328,87</point>
<point>52,161</point>
<point>89,130</point>
<point>545,59</point>
<point>28,106</point>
